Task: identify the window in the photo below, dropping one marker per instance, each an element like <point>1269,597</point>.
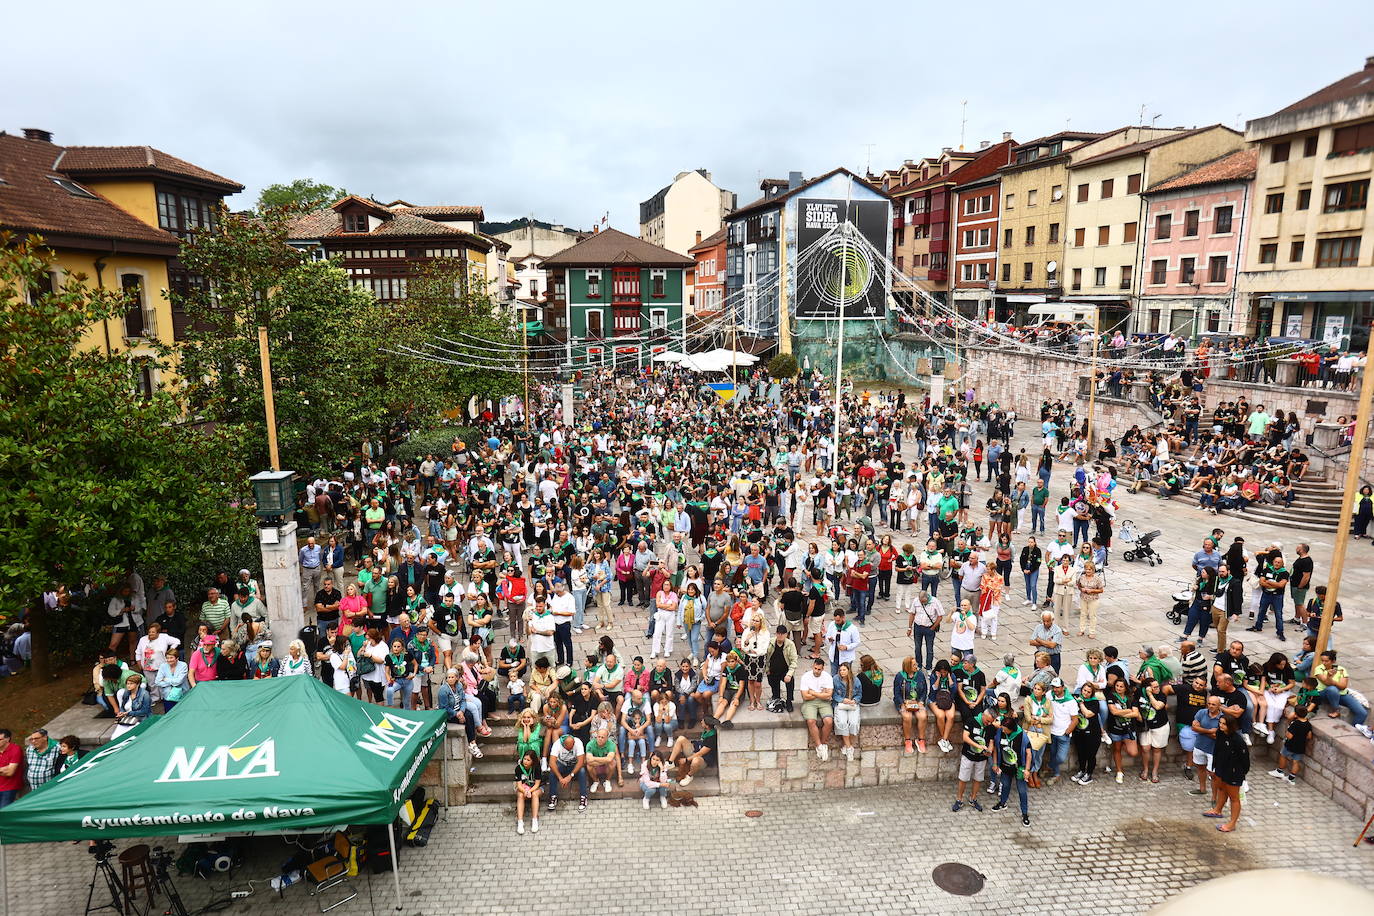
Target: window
<point>1011,201</point>
<point>1159,271</point>
<point>1107,185</point>
<point>1154,321</point>
<point>1164,226</point>
<point>1127,272</point>
<point>44,285</point>
<point>1056,192</point>
<point>132,286</point>
<point>1309,146</point>
<point>1304,198</point>
<point>1221,220</point>
<point>1338,252</point>
<point>967,272</point>
<point>1190,223</point>
<point>355,222</point>
<point>1027,271</point>
<point>1216,268</point>
<point>1273,203</point>
<point>1352,139</point>
<point>900,263</point>
<point>594,323</point>
<point>168,216</point>
<point>1348,195</point>
<point>1269,253</point>
<point>534,286</point>
<point>1006,273</point>
<point>658,320</point>
<point>1006,238</point>
<point>1128,233</point>
<point>1078,235</point>
<point>1032,198</point>
<point>1078,278</point>
<point>1082,193</point>
<point>1054,233</point>
<point>975,205</point>
<point>1104,235</point>
<point>144,380</point>
<point>1279,152</point>
<point>657,280</point>
<point>1213,320</point>
<point>1187,269</point>
<point>593,284</point>
<point>1030,235</point>
<point>1100,276</point>
<point>1295,250</point>
<point>983,271</point>
<point>968,238</point>
<point>72,188</point>
<point>1133,183</point>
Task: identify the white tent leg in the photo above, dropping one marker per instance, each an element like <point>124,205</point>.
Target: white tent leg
<point>395,873</point>
<point>4,883</point>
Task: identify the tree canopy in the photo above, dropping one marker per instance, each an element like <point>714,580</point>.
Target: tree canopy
<point>299,196</point>
<point>100,476</point>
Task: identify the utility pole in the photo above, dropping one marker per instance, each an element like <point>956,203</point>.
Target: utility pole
<point>265,359</point>
<point>1352,486</point>
<point>525,352</point>
<point>839,351</point>
<point>1092,381</point>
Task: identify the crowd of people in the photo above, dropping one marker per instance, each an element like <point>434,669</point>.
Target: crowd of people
<point>491,582</point>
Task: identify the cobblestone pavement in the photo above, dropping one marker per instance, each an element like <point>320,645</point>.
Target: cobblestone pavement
<point>1096,850</point>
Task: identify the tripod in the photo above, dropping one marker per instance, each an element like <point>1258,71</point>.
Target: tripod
<point>120,901</point>
<point>162,882</point>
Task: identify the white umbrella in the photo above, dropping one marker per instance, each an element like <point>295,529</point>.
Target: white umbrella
<point>668,356</point>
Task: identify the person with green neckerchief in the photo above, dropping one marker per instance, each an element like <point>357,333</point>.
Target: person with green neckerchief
<point>1011,754</point>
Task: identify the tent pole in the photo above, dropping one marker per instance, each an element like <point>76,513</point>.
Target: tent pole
<point>395,873</point>
<point>4,882</point>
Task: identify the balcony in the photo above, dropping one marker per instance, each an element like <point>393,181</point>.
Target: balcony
<point>937,276</point>
<point>939,246</point>
<point>898,221</point>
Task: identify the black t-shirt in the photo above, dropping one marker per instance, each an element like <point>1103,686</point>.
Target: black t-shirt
<point>980,733</point>
<point>434,578</point>
<point>906,566</point>
<point>793,604</point>
<point>1236,697</point>
<point>1190,701</point>
<point>1298,732</point>
<point>328,596</point>
<point>817,594</point>
<point>968,683</point>
<point>1302,567</point>
<point>1233,666</point>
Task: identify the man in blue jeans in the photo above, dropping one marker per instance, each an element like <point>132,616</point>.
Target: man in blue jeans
<point>1273,583</point>
<point>567,760</point>
<point>1064,708</point>
<point>922,621</point>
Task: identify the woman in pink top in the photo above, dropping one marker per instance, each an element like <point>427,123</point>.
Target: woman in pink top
<point>352,604</point>
<point>203,660</point>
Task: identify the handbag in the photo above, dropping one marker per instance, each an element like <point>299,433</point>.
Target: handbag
<point>128,721</point>
<point>88,698</point>
<point>365,664</point>
<point>1037,740</point>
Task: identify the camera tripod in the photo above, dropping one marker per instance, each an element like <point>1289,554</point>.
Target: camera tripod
<point>120,901</point>
<point>162,882</point>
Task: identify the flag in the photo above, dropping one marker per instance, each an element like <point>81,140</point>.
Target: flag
<point>726,390</point>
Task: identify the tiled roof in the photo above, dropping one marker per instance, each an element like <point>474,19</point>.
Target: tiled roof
<point>766,203</point>
<point>959,173</point>
<point>1361,82</point>
<point>1062,135</point>
<point>94,161</point>
<point>1144,146</point>
<point>711,241</point>
<point>611,246</point>
<point>323,224</point>
<point>31,202</point>
<point>1237,166</point>
<point>459,212</point>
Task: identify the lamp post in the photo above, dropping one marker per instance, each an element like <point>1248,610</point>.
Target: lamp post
<point>275,500</point>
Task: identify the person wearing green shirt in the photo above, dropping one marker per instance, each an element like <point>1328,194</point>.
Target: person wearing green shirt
<point>1040,496</point>
<point>603,759</point>
<point>214,613</point>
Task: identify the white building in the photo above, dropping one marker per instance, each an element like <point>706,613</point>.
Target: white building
<point>691,204</point>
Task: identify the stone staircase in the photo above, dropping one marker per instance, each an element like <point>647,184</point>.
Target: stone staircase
<point>1316,506</point>
<point>491,777</point>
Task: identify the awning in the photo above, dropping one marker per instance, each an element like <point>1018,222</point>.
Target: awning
<point>1352,295</point>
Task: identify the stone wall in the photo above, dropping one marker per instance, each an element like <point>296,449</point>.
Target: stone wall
<point>458,762</point>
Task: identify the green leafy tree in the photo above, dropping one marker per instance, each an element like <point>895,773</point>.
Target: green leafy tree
<point>784,365</point>
<point>99,477</point>
<point>325,338</point>
<point>299,196</point>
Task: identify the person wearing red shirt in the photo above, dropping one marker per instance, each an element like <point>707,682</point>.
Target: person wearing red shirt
<point>11,768</point>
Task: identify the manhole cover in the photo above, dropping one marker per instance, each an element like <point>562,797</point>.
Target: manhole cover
<point>753,813</point>
<point>957,878</point>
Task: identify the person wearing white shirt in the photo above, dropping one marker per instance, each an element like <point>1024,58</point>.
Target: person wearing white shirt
<point>841,641</point>
<point>816,689</point>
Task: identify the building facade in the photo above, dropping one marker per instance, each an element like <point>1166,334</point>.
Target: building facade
<point>531,241</point>
<point>620,299</point>
<point>921,193</point>
<point>692,203</point>
<point>708,291</point>
<point>1106,211</point>
<point>1192,256</point>
<point>117,215</point>
<point>1309,258</point>
<point>975,231</point>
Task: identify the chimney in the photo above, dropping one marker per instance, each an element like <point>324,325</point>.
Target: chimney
<point>907,162</point>
<point>698,236</point>
<point>946,150</point>
<point>37,133</point>
<point>794,180</point>
<point>984,144</point>
<point>1006,135</point>
<point>1369,62</point>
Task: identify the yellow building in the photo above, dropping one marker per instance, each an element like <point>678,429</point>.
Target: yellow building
<point>1105,217</point>
<point>1309,258</point>
<point>115,214</point>
<point>1034,214</point>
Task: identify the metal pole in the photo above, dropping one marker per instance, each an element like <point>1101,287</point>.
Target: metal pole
<point>265,358</point>
<point>1092,383</point>
<point>5,882</point>
<point>395,868</point>
<point>839,351</point>
<point>525,348</point>
<point>1352,485</point>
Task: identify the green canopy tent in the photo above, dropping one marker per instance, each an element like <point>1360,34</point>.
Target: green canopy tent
<point>278,754</point>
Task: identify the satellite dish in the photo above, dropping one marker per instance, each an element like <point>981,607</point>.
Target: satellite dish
<point>1052,266</point>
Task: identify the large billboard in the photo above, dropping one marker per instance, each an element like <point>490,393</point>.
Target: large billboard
<point>836,271</point>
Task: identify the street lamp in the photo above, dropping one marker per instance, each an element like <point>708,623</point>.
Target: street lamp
<point>274,496</point>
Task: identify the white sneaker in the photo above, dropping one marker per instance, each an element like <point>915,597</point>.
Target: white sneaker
<point>476,751</point>
<point>1027,603</point>
<point>592,790</point>
<point>663,801</point>
<point>534,825</point>
<point>1364,730</point>
<point>646,803</point>
<point>685,781</point>
<point>520,827</point>
<point>823,752</point>
<point>606,785</point>
<point>1278,774</point>
<point>1269,736</point>
<point>629,768</point>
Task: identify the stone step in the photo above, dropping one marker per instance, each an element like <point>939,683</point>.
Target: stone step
<point>703,786</point>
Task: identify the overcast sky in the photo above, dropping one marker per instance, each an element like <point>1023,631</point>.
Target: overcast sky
<point>570,110</point>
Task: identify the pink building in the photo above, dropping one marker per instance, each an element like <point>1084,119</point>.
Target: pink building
<point>1194,234</point>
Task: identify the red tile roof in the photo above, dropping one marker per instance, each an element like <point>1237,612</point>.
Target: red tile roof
<point>1359,83</point>
<point>1237,166</point>
<point>323,224</point>
<point>1144,146</point>
<point>460,212</point>
<point>983,164</point>
<point>31,202</point>
<point>97,161</point>
<point>766,203</point>
<point>611,246</point>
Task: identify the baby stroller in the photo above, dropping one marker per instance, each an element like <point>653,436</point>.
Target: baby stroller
<point>1140,548</point>
<point>1183,602</point>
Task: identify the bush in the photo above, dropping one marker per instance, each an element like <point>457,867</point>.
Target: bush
<point>228,549</point>
<point>438,441</point>
<point>784,365</point>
